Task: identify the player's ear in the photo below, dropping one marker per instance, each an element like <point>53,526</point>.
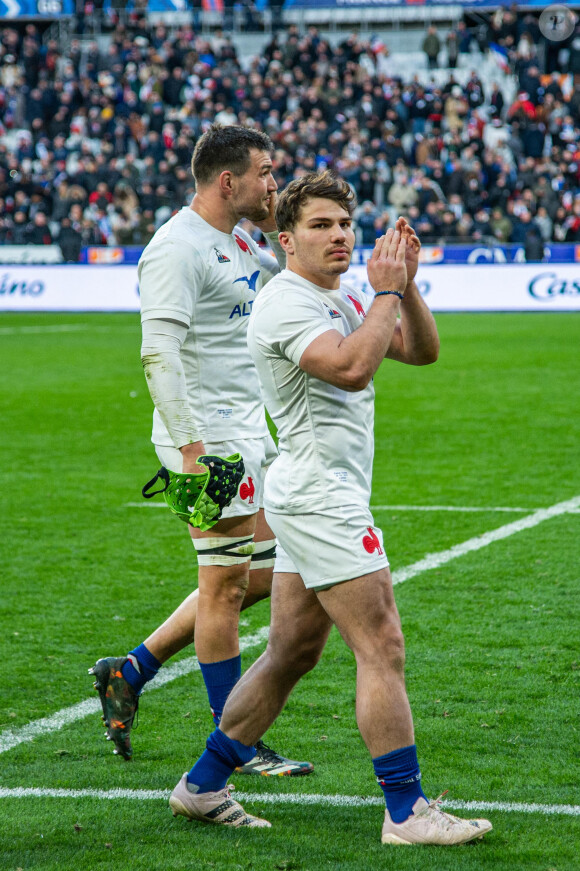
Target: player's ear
<point>225,182</point>
<point>287,242</point>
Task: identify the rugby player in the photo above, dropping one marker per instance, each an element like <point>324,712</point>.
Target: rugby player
<point>199,278</point>
<point>317,344</point>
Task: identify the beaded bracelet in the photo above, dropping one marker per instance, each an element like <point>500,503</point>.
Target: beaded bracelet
<point>387,292</point>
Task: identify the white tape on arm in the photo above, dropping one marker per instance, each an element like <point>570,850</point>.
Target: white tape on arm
<point>160,355</point>
<point>274,243</point>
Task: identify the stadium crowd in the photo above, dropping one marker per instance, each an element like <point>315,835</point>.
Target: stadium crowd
<point>95,145</point>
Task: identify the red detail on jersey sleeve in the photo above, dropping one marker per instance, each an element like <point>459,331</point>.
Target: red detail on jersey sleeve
<point>243,244</point>
<point>371,541</point>
<point>247,491</point>
<point>358,307</point>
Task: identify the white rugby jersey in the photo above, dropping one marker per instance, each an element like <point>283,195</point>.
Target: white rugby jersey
<point>208,280</point>
<point>326,440</point>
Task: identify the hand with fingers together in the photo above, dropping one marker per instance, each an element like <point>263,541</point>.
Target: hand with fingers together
<point>268,225</point>
<point>413,247</point>
<point>386,269</point>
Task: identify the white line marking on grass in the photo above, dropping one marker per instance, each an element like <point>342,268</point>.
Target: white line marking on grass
<point>47,725</point>
<point>288,798</point>
<point>145,505</point>
<point>9,739</point>
<point>460,508</point>
<point>66,328</point>
<point>53,328</point>
<point>433,560</point>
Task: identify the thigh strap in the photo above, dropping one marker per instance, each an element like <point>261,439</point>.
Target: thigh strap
<point>264,555</point>
<point>223,551</point>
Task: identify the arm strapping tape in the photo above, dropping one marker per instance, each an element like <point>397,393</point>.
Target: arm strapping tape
<point>160,355</point>
<point>274,243</point>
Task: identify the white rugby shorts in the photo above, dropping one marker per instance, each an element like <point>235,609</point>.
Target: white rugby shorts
<point>328,547</point>
<point>257,454</point>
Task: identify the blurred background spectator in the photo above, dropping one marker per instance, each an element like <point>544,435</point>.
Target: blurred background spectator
<point>96,135</point>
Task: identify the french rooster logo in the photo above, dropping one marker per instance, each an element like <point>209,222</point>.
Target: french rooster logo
<point>358,307</point>
<point>242,244</point>
<point>371,541</point>
<point>247,491</point>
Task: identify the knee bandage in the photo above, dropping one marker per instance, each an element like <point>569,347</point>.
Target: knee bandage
<point>223,551</point>
<point>264,555</point>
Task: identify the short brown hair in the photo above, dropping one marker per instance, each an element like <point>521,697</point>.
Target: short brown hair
<point>222,148</point>
<point>315,185</point>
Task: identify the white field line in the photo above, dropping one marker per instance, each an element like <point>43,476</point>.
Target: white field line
<point>288,798</point>
<point>53,328</point>
<point>9,739</point>
<point>47,725</point>
<point>65,328</point>
<point>467,509</point>
<point>433,560</point>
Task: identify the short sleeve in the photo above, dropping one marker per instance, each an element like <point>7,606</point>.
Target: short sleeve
<point>170,277</point>
<point>292,323</point>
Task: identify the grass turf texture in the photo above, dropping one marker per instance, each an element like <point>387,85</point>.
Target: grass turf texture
<point>493,663</point>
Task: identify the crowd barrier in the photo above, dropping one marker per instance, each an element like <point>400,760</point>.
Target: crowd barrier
<point>513,287</point>
<point>555,252</point>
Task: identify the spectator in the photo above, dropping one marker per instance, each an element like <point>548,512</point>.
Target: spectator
<point>402,194</point>
<point>432,46</point>
<point>496,101</point>
<point>560,227</point>
<point>474,91</point>
<point>452,44</point>
<point>38,232</point>
<point>500,226</point>
<point>70,241</point>
<point>572,223</point>
<point>464,38</point>
<point>18,233</point>
<point>522,109</point>
<point>448,226</point>
<point>522,225</point>
<point>544,223</point>
<point>482,229</point>
<point>533,244</point>
<point>366,217</point>
<point>465,228</point>
<point>78,121</point>
<point>456,108</point>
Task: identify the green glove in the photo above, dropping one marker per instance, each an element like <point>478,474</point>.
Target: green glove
<point>200,499</point>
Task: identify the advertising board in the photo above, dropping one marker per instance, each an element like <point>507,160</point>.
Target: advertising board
<point>511,287</point>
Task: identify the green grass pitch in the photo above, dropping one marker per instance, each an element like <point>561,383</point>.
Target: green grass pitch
<point>493,661</point>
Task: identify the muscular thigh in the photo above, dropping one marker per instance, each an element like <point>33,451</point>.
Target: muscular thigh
<point>299,625</point>
<point>362,608</point>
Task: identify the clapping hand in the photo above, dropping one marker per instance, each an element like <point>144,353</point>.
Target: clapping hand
<point>413,247</point>
<point>268,225</point>
<point>386,267</point>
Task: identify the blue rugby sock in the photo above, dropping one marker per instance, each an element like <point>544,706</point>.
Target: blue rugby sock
<point>217,762</point>
<point>140,667</point>
<point>220,679</point>
<point>400,779</point>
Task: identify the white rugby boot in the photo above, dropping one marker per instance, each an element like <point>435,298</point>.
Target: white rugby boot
<point>428,824</point>
<point>218,808</point>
